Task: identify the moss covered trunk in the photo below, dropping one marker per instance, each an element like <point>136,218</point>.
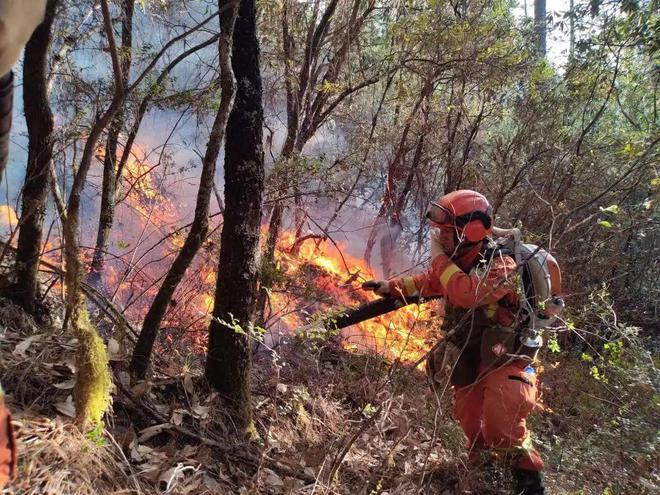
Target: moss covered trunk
<point>93,382</point>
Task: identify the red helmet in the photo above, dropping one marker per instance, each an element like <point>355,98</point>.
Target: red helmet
<point>467,211</point>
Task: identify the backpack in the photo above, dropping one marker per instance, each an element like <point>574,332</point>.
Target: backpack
<point>540,277</point>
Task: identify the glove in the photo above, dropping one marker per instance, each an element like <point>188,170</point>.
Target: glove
<point>436,244</point>
<point>441,244</point>
<point>380,287</point>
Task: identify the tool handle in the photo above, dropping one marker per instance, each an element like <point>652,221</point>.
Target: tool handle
<point>370,285</point>
<point>371,310</point>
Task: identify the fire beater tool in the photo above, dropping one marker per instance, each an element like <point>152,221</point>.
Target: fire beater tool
<point>352,316</point>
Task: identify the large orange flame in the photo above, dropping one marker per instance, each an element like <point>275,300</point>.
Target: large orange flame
<point>404,335</point>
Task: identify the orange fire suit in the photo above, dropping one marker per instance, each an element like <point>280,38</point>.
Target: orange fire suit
<point>7,446</point>
<point>492,401</point>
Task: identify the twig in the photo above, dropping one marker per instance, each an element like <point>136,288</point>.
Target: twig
<point>339,458</point>
<point>98,299</point>
<point>230,451</point>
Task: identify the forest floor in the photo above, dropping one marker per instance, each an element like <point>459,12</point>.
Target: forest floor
<point>329,422</point>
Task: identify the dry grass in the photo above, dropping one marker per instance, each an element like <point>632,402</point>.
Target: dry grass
<point>37,366</point>
<point>36,363</point>
<point>56,458</point>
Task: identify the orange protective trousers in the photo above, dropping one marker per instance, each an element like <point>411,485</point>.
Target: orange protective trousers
<point>7,446</point>
<point>493,412</point>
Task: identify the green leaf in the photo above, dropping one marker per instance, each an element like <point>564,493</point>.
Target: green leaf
<point>369,410</point>
<point>553,345</point>
<point>605,224</point>
<point>611,209</point>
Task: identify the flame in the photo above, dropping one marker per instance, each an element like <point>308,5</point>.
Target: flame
<point>8,218</point>
<point>318,276</point>
<point>145,239</point>
<point>145,195</point>
<point>405,335</point>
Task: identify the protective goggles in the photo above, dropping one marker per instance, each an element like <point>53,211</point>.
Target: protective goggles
<point>443,217</point>
<point>440,215</point>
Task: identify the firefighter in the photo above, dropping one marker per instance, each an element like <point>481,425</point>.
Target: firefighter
<point>494,384</point>
<point>18,19</point>
<point>7,445</point>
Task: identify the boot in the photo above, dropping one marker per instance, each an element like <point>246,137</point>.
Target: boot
<point>527,482</point>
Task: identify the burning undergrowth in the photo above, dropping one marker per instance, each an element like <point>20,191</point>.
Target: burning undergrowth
<point>320,278</point>
<point>311,276</point>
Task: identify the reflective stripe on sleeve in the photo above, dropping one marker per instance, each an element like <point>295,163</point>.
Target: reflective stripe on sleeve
<point>491,311</point>
<point>447,274</point>
<point>524,449</point>
<point>410,288</point>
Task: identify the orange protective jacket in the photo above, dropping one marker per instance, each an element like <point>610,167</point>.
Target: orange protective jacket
<point>471,282</point>
<point>484,279</point>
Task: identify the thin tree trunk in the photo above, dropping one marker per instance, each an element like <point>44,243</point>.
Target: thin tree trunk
<point>146,101</point>
<point>6,117</point>
<point>93,382</point>
<point>394,225</point>
<point>307,106</point>
<point>40,124</point>
<point>200,224</point>
<point>74,268</point>
<point>229,357</point>
<point>110,180</point>
<point>571,38</point>
<point>394,171</point>
<point>540,26</point>
<point>292,101</point>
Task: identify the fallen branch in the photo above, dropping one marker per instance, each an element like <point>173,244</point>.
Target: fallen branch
<point>108,308</point>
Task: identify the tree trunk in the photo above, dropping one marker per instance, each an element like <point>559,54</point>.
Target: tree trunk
<point>394,174</point>
<point>93,382</point>
<point>110,179</point>
<point>394,226</point>
<point>6,114</point>
<point>540,26</point>
<point>146,101</point>
<point>200,224</point>
<point>307,105</point>
<point>229,358</point>
<point>571,31</point>
<point>40,123</point>
<point>74,267</point>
